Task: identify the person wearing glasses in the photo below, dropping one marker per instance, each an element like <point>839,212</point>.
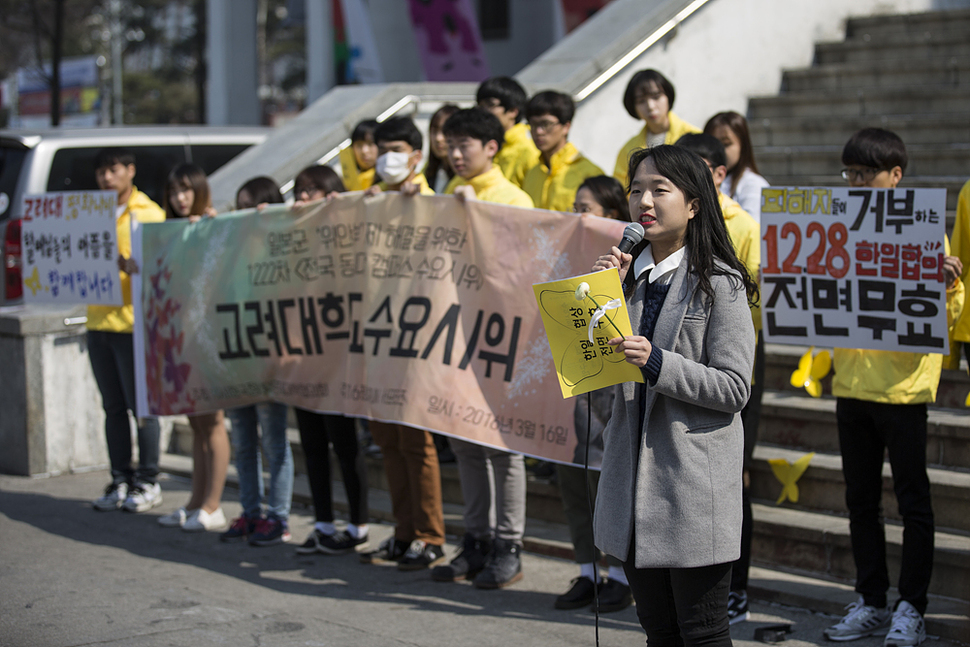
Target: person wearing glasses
<point>881,399</point>
<point>553,182</point>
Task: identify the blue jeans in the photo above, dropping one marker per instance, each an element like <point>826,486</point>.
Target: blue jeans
<point>271,417</point>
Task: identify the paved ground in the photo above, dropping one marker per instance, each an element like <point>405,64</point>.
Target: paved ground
<point>73,576</point>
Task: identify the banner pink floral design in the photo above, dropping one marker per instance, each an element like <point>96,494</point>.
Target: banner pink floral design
<point>416,310</point>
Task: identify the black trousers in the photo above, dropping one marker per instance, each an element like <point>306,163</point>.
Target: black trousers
<point>317,432</point>
<point>112,358</point>
<point>866,431</point>
<point>682,607</point>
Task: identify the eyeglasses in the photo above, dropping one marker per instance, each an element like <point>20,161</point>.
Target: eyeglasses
<point>544,126</point>
<point>860,175</point>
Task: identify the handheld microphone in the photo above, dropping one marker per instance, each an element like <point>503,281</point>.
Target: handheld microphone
<point>632,235</point>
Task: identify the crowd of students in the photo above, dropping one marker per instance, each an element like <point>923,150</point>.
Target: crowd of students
<point>698,195</point>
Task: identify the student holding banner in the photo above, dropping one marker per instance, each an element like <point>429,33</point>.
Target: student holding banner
<point>187,196</point>
<point>490,555</point>
<point>112,354</point>
<point>669,500</point>
<point>247,422</point>
<point>882,398</point>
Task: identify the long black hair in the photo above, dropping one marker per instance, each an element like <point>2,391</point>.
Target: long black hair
<point>706,239</point>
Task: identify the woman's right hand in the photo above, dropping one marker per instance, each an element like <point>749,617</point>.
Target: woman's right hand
<point>616,259</point>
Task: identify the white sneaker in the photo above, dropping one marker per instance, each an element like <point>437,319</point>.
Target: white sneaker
<point>112,499</point>
<point>860,621</point>
<point>203,520</point>
<point>908,628</point>
<point>142,497</point>
<point>177,518</point>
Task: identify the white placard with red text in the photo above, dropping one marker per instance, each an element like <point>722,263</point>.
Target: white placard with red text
<point>69,249</point>
<point>854,268</point>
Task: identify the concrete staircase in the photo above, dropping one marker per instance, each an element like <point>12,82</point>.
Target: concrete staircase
<point>910,74</point>
<point>907,73</point>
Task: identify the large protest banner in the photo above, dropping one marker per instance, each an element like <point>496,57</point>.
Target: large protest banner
<point>854,268</point>
<point>417,310</point>
<point>68,248</point>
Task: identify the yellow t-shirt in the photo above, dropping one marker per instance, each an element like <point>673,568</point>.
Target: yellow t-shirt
<point>678,128</point>
<point>354,178</point>
<point>554,187</point>
<point>894,377</point>
<point>745,235</point>
<point>518,154</point>
<point>122,318</point>
<point>961,249</point>
<point>492,186</point>
<point>418,179</point>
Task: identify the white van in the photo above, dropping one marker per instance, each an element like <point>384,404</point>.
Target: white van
<point>36,161</point>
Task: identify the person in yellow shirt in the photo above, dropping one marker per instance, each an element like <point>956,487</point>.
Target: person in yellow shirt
<point>398,157</point>
<point>649,96</point>
<point>881,399</point>
<point>553,182</point>
<point>745,234</point>
<point>505,98</point>
<point>473,143</point>
<point>961,249</point>
<point>112,356</point>
<point>357,160</point>
<point>490,478</point>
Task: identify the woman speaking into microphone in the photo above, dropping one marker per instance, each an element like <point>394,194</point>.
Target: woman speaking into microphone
<point>669,500</point>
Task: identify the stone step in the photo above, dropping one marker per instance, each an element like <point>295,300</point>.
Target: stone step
<point>919,74</point>
<point>822,488</point>
<point>933,43</point>
<point>825,131</point>
<point>819,544</point>
<point>800,422</point>
<point>882,27</point>
<point>935,160</point>
<point>947,617</point>
<point>861,102</point>
<point>782,360</point>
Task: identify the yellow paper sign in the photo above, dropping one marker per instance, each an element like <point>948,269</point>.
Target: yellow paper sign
<point>580,315</point>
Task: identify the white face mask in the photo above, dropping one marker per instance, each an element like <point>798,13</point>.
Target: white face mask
<point>393,167</point>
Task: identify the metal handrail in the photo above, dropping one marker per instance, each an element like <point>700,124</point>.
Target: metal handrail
<point>639,49</point>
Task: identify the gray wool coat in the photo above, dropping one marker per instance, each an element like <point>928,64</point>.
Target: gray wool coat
<point>671,482</point>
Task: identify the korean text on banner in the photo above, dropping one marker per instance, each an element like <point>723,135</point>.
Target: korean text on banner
<point>416,310</point>
<point>69,248</point>
<point>581,314</point>
<point>854,268</point>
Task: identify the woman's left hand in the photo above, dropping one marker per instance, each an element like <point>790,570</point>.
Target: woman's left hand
<point>635,349</point>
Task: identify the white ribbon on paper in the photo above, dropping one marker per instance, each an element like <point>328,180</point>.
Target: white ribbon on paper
<point>600,313</point>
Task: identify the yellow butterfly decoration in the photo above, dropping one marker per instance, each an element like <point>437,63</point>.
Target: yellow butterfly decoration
<point>33,283</point>
<point>810,372</point>
<point>789,474</point>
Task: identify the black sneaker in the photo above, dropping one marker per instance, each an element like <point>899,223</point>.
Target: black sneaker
<point>614,596</point>
<point>240,529</point>
<point>468,563</point>
<point>336,544</point>
<point>738,607</point>
<point>421,555</point>
<point>390,551</point>
<point>579,595</point>
<point>504,566</point>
